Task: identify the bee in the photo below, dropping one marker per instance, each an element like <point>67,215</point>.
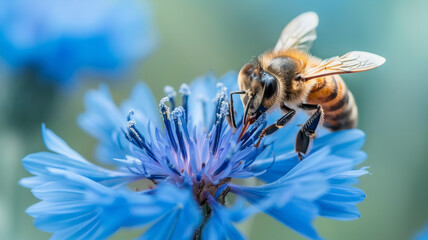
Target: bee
<point>288,78</point>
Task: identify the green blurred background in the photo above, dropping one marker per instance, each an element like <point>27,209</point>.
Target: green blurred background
<point>202,36</point>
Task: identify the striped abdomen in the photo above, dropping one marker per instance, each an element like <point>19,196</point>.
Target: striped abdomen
<point>340,110</point>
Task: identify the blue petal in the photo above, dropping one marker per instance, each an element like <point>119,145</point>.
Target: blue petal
<point>220,218</point>
<point>344,144</point>
<point>39,163</point>
<point>34,181</point>
<point>240,211</point>
<point>339,203</point>
<point>67,159</point>
<point>341,142</point>
<point>201,105</point>
<point>307,180</point>
<point>143,103</point>
<point>56,144</point>
<point>230,80</point>
<point>281,166</point>
<point>103,121</point>
<point>349,177</point>
<point>298,215</point>
<point>181,220</point>
<point>163,228</point>
<point>75,207</point>
<point>204,90</point>
<point>423,235</point>
<point>307,190</point>
<point>323,162</point>
<point>101,116</point>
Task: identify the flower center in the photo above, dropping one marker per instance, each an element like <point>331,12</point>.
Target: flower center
<point>206,160</point>
<point>217,191</point>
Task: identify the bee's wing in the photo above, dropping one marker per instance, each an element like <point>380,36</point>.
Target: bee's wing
<point>351,62</point>
<point>299,33</point>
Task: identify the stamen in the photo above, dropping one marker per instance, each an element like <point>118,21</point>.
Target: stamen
<point>135,137</point>
<point>130,115</point>
<point>171,166</point>
<point>219,85</point>
<point>185,92</point>
<point>144,172</point>
<point>259,150</point>
<point>222,166</point>
<point>222,112</point>
<point>226,161</point>
<point>171,94</point>
<point>221,96</point>
<point>177,115</point>
<point>164,110</point>
<point>224,108</point>
<point>184,125</point>
<point>183,117</point>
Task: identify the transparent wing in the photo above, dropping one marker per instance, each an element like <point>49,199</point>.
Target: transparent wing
<point>299,33</point>
<point>351,62</point>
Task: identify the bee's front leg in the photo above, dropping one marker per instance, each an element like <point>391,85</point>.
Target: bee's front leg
<point>278,124</point>
<point>306,134</point>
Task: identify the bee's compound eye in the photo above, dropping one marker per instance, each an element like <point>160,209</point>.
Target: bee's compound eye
<point>271,85</point>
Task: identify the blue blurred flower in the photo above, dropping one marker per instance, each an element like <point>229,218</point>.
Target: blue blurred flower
<point>191,165</point>
<point>423,234</point>
<point>62,38</point>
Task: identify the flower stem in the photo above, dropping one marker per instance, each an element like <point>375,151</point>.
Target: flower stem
<point>206,210</point>
<point>33,100</point>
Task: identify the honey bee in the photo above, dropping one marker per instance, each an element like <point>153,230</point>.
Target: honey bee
<point>288,78</point>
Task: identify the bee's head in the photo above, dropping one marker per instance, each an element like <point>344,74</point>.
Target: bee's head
<point>261,90</point>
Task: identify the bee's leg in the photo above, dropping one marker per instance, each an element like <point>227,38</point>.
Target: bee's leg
<point>278,124</point>
<point>306,134</point>
<point>231,116</point>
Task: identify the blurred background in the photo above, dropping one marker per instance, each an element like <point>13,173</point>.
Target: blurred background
<point>52,52</point>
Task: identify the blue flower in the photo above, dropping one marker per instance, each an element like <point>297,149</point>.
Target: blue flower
<point>80,200</point>
<point>423,234</point>
<point>63,38</point>
<point>195,157</point>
